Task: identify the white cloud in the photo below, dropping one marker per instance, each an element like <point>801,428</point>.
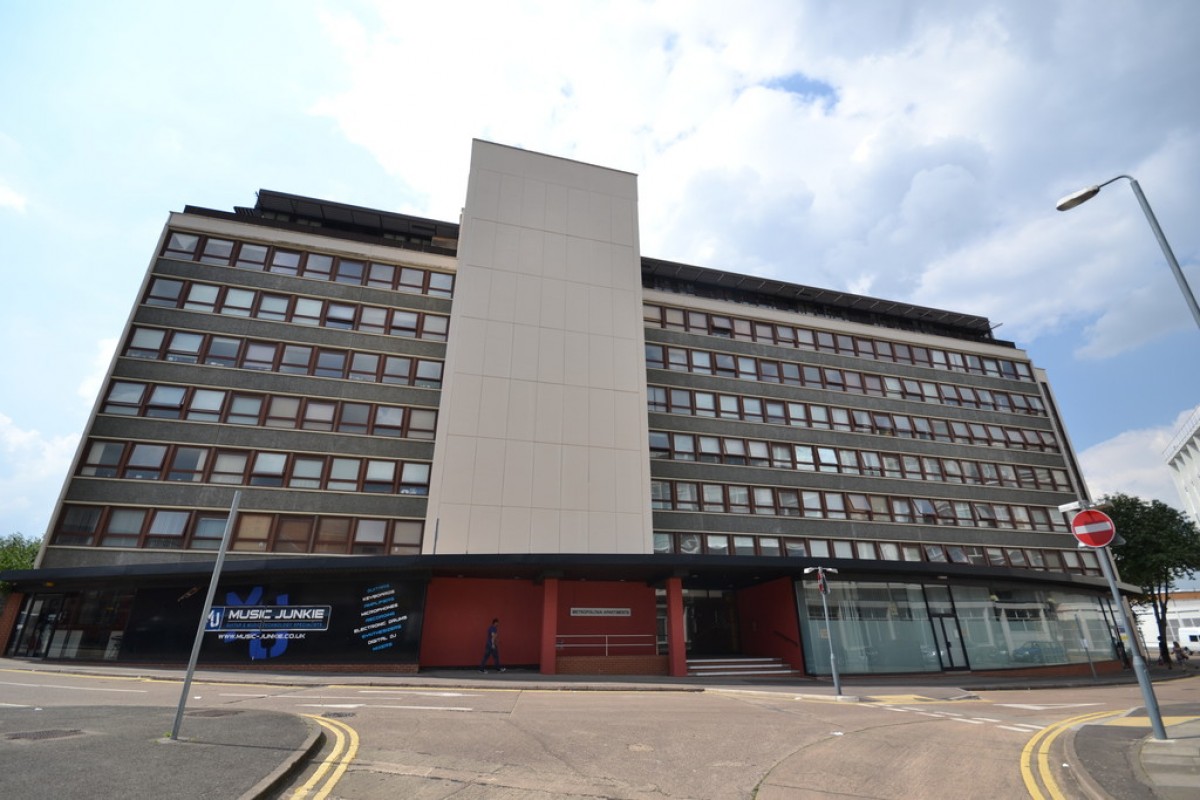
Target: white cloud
<point>922,164</point>
<point>89,387</point>
<point>9,198</point>
<point>31,471</point>
<point>1133,463</point>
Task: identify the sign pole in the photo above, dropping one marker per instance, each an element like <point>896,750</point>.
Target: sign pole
<point>212,590</point>
<point>823,589</point>
<point>1139,664</point>
<point>1096,530</point>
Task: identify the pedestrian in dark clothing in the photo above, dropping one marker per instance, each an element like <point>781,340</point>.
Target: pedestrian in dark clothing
<point>492,648</point>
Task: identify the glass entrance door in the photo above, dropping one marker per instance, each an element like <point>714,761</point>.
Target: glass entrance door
<point>710,622</point>
<point>946,635</point>
<point>949,643</point>
<point>36,627</point>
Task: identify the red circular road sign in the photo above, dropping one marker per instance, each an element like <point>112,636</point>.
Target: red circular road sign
<point>1093,528</point>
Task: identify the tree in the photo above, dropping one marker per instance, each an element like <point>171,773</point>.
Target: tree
<point>1160,546</point>
<point>16,552</point>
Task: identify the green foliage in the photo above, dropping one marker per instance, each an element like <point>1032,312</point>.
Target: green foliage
<point>1161,545</point>
<point>16,552</point>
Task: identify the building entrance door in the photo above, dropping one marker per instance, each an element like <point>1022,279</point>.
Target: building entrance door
<point>710,622</point>
<point>36,626</point>
<point>946,635</point>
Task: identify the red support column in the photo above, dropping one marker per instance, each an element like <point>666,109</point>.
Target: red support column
<point>549,656</point>
<point>676,644</point>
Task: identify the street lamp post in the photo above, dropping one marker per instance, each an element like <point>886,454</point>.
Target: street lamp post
<point>823,590</point>
<point>1083,195</point>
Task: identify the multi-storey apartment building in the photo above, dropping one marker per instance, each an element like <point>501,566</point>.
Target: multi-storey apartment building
<point>1183,459</point>
<point>630,462</point>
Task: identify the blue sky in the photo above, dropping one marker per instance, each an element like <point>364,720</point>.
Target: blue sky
<point>912,151</point>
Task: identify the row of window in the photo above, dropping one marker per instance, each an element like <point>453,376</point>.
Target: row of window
<point>689,402</point>
<point>750,368</point>
<point>247,255</point>
<point>810,458</point>
<point>186,347</point>
<point>1071,561</point>
<point>679,319</point>
<point>105,526</point>
<point>165,401</point>
<point>778,501</point>
<point>236,302</point>
<point>148,461</point>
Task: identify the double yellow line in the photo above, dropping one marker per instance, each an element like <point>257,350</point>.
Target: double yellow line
<point>345,746</point>
<point>1039,747</point>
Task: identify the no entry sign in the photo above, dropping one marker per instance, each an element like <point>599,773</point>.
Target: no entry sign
<point>1093,528</point>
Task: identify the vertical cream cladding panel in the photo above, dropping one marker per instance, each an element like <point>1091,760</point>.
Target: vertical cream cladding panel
<point>546,327</point>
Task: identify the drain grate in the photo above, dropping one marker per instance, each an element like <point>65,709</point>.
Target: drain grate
<point>38,735</point>
<point>338,714</point>
<point>214,712</point>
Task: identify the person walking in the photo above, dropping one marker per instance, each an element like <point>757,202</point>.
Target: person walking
<point>492,648</point>
<point>1180,653</point>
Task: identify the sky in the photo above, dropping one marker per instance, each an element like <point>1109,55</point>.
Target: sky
<point>907,150</point>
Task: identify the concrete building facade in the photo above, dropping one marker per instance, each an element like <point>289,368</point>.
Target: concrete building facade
<point>631,462</point>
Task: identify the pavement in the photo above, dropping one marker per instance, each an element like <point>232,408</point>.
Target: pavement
<point>128,751</point>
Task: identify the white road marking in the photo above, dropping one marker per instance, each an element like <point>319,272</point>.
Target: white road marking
<point>417,692</point>
<point>1046,707</point>
<point>968,721</point>
<point>377,705</point>
<point>1015,728</point>
<point>75,688</point>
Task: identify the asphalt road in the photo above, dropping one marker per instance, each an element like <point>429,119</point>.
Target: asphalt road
<point>507,740</point>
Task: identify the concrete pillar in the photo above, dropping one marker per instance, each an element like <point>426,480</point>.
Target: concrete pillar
<point>676,642</point>
<point>549,651</point>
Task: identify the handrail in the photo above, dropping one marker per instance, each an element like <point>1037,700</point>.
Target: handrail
<point>607,640</point>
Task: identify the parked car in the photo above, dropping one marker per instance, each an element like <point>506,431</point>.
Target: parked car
<point>1040,652</point>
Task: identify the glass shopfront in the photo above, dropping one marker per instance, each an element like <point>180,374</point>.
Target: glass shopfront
<point>285,622</point>
<point>887,627</point>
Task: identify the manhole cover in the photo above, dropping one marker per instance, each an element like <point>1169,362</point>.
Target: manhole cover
<point>214,712</point>
<point>53,734</point>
